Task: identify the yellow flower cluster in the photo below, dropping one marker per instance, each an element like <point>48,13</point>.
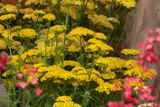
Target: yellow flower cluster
<point>16,28</point>
<point>81,31</point>
<point>100,20</point>
<point>51,36</point>
<point>49,50</point>
<point>37,12</point>
<point>105,87</point>
<point>98,44</point>
<point>10,8</point>
<point>7,34</point>
<point>138,71</point>
<point>100,36</point>
<point>73,48</point>
<point>130,52</point>
<point>49,17</point>
<point>58,28</point>
<point>108,75</point>
<point>1,27</point>
<point>16,44</point>
<point>113,20</point>
<point>69,63</point>
<point>110,62</point>
<point>30,53</point>
<point>127,3</point>
<point>3,44</point>
<point>28,33</point>
<point>30,2</point>
<point>27,10</point>
<point>7,17</point>
<point>65,101</point>
<point>67,2</point>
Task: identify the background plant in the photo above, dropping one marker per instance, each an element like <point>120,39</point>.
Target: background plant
<point>70,43</point>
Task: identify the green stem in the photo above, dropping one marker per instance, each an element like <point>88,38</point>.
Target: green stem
<point>46,41</point>
<point>9,33</point>
<point>56,58</point>
<point>63,57</point>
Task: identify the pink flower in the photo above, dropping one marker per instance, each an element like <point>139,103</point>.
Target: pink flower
<point>20,76</point>
<point>127,94</point>
<point>149,47</point>
<point>151,40</point>
<point>121,103</point>
<point>127,87</point>
<point>149,32</point>
<point>145,68</point>
<point>141,55</point>
<point>152,75</point>
<point>34,82</point>
<point>39,92</point>
<point>34,70</point>
<point>158,38</point>
<point>3,56</point>
<point>26,67</point>
<point>22,84</point>
<point>142,45</point>
<point>140,62</point>
<point>29,72</point>
<point>112,104</point>
<point>116,86</point>
<point>128,98</point>
<point>127,80</point>
<point>129,105</point>
<point>136,100</point>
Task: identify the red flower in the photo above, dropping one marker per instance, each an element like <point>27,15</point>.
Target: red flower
<point>39,92</point>
<point>149,32</point>
<point>20,76</point>
<point>22,84</point>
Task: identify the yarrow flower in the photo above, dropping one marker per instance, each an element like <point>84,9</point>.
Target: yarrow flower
<point>7,17</point>
<point>58,28</point>
<point>27,33</point>
<point>49,17</point>
<point>130,52</point>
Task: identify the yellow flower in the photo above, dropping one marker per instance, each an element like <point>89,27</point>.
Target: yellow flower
<point>49,17</point>
<point>27,10</point>
<point>69,63</point>
<point>100,36</point>
<point>67,2</point>
<point>130,52</point>
<point>27,33</point>
<point>10,8</point>
<point>3,44</point>
<point>58,28</point>
<point>37,12</point>
<point>81,31</point>
<point>1,27</point>
<point>16,44</point>
<point>7,17</point>
<point>51,36</point>
<point>27,16</point>
<point>127,3</point>
<point>15,28</point>
<point>73,48</point>
<point>64,98</point>
<point>10,35</point>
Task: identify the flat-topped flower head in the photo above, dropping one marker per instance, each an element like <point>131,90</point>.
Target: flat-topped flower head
<point>58,28</point>
<point>8,17</point>
<point>100,36</point>
<point>64,98</point>
<point>3,44</point>
<point>39,12</point>
<point>27,33</point>
<point>130,52</point>
<point>49,17</point>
